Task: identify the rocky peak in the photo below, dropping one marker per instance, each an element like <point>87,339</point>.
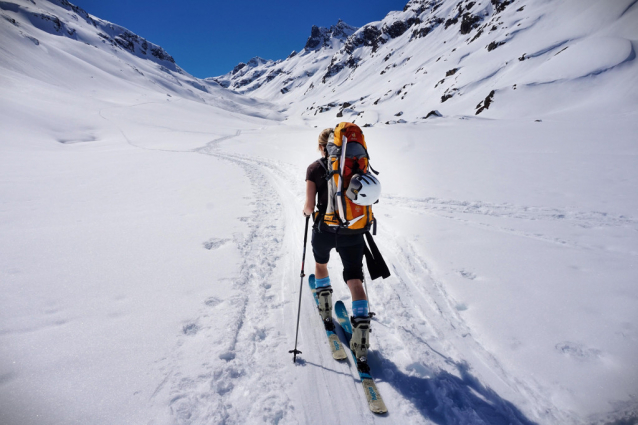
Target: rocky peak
<point>342,30</point>
<point>317,39</point>
<point>420,6</point>
<point>320,36</point>
<point>238,68</point>
<point>256,61</point>
<point>245,67</point>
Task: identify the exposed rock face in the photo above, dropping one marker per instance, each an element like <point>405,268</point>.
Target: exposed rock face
<point>433,114</point>
<point>321,37</point>
<point>256,61</point>
<point>485,104</point>
<point>78,10</point>
<point>368,36</point>
<point>397,28</point>
<point>316,39</point>
<point>238,68</point>
<point>469,22</point>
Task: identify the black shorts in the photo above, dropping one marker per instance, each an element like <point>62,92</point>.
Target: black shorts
<point>349,247</point>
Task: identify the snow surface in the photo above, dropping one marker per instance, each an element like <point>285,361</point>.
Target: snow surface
<point>151,230</point>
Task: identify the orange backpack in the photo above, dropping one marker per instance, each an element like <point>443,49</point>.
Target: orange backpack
<point>347,155</point>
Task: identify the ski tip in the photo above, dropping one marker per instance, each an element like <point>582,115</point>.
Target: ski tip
<point>339,355</point>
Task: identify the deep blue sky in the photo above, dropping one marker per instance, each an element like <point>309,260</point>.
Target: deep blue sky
<point>208,38</point>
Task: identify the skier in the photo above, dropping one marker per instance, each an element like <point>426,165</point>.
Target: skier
<point>350,248</point>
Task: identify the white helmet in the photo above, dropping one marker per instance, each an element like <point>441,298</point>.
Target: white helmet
<point>364,189</point>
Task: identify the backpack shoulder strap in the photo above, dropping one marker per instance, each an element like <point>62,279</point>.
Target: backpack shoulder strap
<point>324,164</point>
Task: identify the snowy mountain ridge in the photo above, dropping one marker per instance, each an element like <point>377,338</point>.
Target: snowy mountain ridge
<point>494,58</point>
<point>49,19</point>
<point>66,36</point>
<point>247,77</point>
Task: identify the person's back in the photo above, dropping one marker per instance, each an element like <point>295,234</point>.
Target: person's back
<point>350,248</point>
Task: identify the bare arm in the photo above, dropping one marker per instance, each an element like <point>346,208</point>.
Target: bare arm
<point>311,192</point>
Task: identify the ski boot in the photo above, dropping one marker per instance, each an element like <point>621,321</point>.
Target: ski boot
<point>325,306</point>
<point>360,341</point>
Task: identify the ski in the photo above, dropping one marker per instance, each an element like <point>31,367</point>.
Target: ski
<point>375,402</point>
<point>338,352</point>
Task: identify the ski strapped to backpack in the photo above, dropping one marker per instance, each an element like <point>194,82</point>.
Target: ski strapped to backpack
<point>347,156</point>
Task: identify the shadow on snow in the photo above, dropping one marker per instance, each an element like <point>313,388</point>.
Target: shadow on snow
<point>447,399</point>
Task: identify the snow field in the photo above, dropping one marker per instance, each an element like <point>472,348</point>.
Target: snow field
<point>197,325</point>
<point>151,229</point>
<point>525,263</point>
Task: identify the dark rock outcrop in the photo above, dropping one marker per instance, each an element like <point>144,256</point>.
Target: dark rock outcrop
<point>320,37</point>
<point>485,104</point>
<point>469,23</point>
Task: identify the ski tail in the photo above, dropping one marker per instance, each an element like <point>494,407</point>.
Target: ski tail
<point>373,396</point>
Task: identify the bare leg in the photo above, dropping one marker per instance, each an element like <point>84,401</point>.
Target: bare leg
<point>321,270</point>
<point>356,289</point>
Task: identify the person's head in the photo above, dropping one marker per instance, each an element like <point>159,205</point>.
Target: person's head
<point>323,140</point>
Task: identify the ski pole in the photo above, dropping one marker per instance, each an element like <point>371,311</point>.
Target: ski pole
<point>303,261</point>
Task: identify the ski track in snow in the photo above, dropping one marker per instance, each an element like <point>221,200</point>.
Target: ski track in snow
<point>435,388</point>
<point>230,361</point>
<point>239,347</point>
<point>460,210</point>
<point>217,373</point>
<point>580,218</point>
<point>418,321</point>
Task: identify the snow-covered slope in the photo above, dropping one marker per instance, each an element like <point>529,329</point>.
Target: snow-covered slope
<point>273,78</point>
<point>61,46</point>
<point>151,228</point>
<point>499,58</point>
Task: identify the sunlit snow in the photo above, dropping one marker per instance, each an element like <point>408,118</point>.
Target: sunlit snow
<point>151,222</point>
